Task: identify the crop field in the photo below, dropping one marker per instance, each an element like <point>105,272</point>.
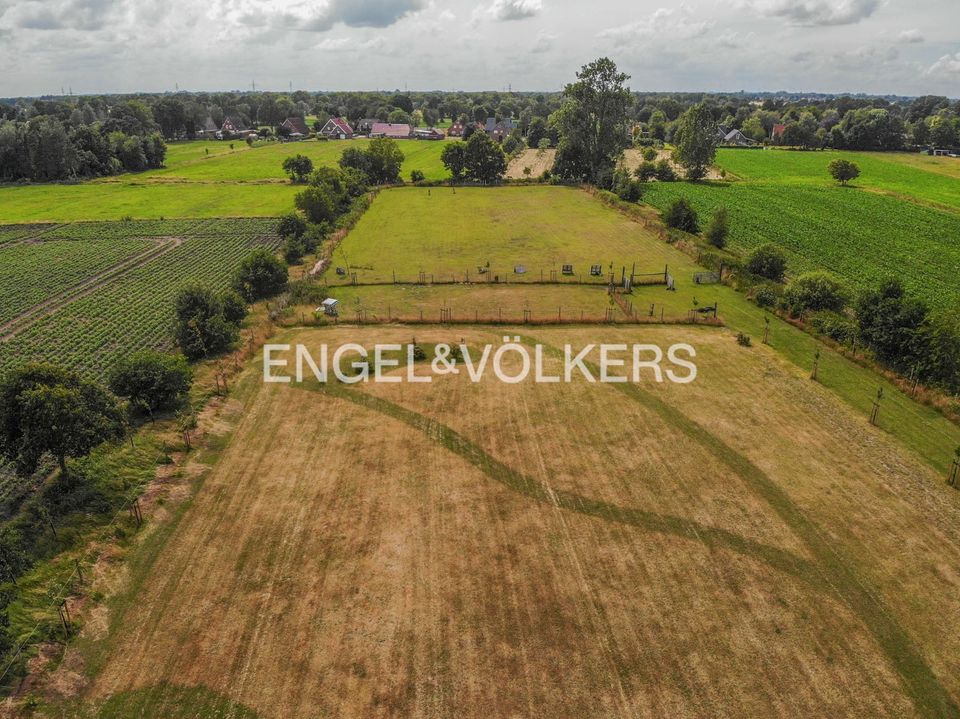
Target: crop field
<point>450,233</point>
<point>862,236</point>
<point>87,320</point>
<point>913,177</point>
<point>484,549</point>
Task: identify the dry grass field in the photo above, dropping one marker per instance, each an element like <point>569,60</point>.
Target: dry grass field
<point>743,546</point>
<point>539,161</point>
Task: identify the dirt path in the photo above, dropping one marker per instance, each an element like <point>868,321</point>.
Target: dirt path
<point>36,313</point>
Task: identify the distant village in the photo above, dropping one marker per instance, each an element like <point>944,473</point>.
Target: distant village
<point>337,128</point>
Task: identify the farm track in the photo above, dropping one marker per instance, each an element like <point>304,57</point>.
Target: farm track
<point>929,697</point>
<point>36,313</point>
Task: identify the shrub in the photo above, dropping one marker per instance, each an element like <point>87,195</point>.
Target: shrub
<point>293,251</point>
<point>766,295</point>
<point>837,327</point>
<point>151,380</point>
<point>744,340</point>
<point>665,171</point>
<point>718,229</point>
<point>814,292</point>
<point>681,216</point>
<point>649,154</point>
<point>291,225</point>
<point>417,176</point>
<point>646,171</point>
<point>767,260</point>
<point>260,275</point>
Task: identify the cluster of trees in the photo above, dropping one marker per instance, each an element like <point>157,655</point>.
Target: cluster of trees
<point>478,159</point>
<point>45,149</point>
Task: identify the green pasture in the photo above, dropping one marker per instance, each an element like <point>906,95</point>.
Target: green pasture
<point>450,233</point>
<point>120,199</point>
<point>264,162</point>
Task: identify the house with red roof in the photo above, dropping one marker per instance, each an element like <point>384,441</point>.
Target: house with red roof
<point>337,128</point>
<point>294,127</point>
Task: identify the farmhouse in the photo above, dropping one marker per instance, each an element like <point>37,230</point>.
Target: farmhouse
<point>455,130</point>
<point>233,127</point>
<point>737,139</point>
<point>499,130</point>
<point>209,128</point>
<point>428,133</point>
<point>365,125</point>
<point>395,131</point>
<point>295,127</point>
<point>337,129</point>
<point>778,131</point>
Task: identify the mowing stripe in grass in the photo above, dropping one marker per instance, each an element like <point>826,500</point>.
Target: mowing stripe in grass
<point>921,684</point>
<point>498,471</point>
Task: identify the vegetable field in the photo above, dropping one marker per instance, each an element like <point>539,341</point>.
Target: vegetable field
<point>860,235</point>
<point>132,308</point>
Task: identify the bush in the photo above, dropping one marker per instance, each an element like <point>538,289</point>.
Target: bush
<point>718,229</point>
<point>417,176</point>
<point>293,251</point>
<point>769,261</point>
<point>649,154</point>
<point>681,216</point>
<point>665,171</point>
<point>291,225</point>
<point>645,172</point>
<point>815,292</point>
<point>766,295</point>
<point>260,275</point>
<point>744,340</point>
<point>151,380</point>
<point>837,327</point>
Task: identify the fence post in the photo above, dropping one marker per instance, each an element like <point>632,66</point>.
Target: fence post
<point>874,414</point>
<point>955,470</point>
<point>816,364</point>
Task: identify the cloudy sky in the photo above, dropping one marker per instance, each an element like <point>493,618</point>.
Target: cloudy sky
<point>908,47</point>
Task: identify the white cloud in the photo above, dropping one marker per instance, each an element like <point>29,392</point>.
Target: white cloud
<point>508,10</point>
<point>909,37</point>
<point>668,24</point>
<point>947,66</point>
<point>819,12</point>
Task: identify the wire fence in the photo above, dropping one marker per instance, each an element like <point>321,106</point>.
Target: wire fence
<point>596,276</point>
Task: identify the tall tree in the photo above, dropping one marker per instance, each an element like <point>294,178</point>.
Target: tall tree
<point>696,139</point>
<point>593,123</point>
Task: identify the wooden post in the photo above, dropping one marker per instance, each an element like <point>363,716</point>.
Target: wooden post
<point>766,330</point>
<point>874,414</point>
<point>64,613</point>
<point>954,477</point>
<point>79,570</point>
<point>816,364</point>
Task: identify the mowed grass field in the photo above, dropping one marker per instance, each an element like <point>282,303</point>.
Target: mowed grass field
<point>862,233</point>
<point>242,182</point>
<point>450,233</point>
<point>416,228</point>
<point>572,550</point>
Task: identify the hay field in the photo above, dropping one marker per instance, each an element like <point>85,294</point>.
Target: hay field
<point>741,546</point>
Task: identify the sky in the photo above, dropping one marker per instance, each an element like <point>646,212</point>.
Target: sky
<point>902,47</point>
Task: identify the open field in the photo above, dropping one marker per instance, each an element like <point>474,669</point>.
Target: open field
<point>452,232</point>
<point>911,176</point>
<point>633,551</point>
<point>263,162</point>
<point>129,197</point>
<point>578,225</point>
<point>632,158</point>
<point>86,321</point>
<point>862,236</point>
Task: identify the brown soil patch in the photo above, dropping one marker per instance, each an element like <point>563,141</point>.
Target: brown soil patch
<point>539,161</point>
